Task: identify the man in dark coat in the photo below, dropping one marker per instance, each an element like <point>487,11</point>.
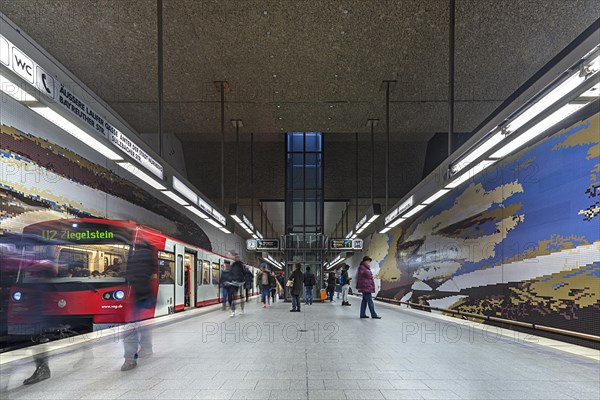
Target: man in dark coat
<point>236,281</point>
<point>298,278</point>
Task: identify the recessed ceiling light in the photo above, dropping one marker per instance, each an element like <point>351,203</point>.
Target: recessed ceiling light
<point>331,106</point>
<point>345,11</point>
<point>342,32</point>
<point>268,33</point>
<point>277,92</point>
<point>278,106</point>
<point>329,118</point>
<point>336,75</point>
<point>265,12</point>
<point>274,75</point>
<point>280,118</point>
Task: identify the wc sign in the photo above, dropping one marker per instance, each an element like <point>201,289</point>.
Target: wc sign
<point>23,65</point>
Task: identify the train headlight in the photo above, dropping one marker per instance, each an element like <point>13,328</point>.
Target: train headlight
<point>16,296</point>
<point>119,295</point>
<point>106,296</point>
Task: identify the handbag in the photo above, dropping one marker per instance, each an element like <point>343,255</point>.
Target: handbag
<point>290,283</point>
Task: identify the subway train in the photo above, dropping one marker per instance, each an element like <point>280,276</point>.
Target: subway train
<point>79,266</point>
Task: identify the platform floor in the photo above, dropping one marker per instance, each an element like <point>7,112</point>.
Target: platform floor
<point>264,355</point>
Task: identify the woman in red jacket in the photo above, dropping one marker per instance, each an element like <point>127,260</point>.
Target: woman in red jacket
<point>366,285</point>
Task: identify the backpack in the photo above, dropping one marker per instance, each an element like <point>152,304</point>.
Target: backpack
<point>342,280</point>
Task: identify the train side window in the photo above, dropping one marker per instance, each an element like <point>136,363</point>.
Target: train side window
<point>206,272</point>
<point>215,273</point>
<point>179,270</point>
<point>166,267</point>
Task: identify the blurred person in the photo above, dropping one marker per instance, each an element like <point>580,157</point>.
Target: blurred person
<point>274,287</point>
<point>137,343</point>
<point>166,277</point>
<point>236,281</point>
<point>224,282</point>
<point>366,285</point>
<point>296,290</point>
<point>338,287</point>
<point>331,285</point>
<point>248,277</point>
<point>345,282</point>
<point>309,282</point>
<point>42,270</point>
<point>282,284</point>
<point>264,277</point>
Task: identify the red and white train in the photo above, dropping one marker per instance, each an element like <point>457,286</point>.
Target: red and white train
<point>79,267</point>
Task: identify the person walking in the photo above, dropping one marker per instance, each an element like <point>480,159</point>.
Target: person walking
<point>137,343</point>
<point>296,290</point>
<point>236,282</point>
<point>331,286</point>
<point>366,285</point>
<point>282,284</point>
<point>264,279</point>
<point>248,280</point>
<point>345,282</point>
<point>274,287</point>
<point>309,283</point>
<point>224,282</point>
<point>338,287</point>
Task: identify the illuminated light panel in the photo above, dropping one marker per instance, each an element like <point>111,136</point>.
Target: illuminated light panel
<point>373,218</point>
<point>349,234</point>
<point>174,197</point>
<point>414,211</point>
<point>132,169</point>
<point>470,173</point>
<point>435,196</point>
<point>222,228</point>
<point>538,129</point>
<point>385,230</point>
<point>14,91</point>
<point>556,94</point>
<point>197,212</point>
<point>77,132</point>
<point>182,188</point>
<point>478,152</point>
<point>213,222</point>
<point>396,222</point>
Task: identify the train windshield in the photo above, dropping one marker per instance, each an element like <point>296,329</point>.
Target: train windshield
<point>81,262</point>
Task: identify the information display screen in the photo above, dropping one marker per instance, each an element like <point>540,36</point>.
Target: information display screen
<point>346,244</point>
<point>262,244</point>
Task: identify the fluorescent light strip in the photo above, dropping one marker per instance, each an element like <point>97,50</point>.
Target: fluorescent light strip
<point>213,222</point>
<point>436,196</point>
<point>14,91</point>
<point>558,93</point>
<point>222,228</point>
<point>385,230</point>
<point>185,190</point>
<point>132,169</point>
<point>478,152</point>
<point>415,210</point>
<point>174,197</point>
<point>538,129</point>
<point>349,234</point>
<point>197,212</point>
<point>76,132</point>
<point>470,173</point>
<point>236,219</point>
<point>373,218</point>
<point>396,222</point>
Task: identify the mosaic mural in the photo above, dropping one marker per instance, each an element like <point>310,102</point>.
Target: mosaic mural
<point>43,181</point>
<point>520,241</point>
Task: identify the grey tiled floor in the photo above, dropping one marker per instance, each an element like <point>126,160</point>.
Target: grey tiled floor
<point>324,352</point>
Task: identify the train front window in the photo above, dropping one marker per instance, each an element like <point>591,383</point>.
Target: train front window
<point>66,263</point>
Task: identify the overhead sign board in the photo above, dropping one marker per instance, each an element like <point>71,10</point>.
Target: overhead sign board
<point>30,71</point>
<point>399,210</point>
<point>346,244</point>
<point>262,244</point>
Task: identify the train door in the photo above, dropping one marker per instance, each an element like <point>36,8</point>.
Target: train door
<point>166,284</point>
<point>189,261</point>
<point>179,278</point>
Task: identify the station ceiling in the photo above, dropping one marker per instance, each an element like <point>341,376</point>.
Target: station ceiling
<point>302,65</point>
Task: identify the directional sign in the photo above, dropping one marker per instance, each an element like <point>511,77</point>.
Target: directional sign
<point>346,244</point>
<point>262,244</point>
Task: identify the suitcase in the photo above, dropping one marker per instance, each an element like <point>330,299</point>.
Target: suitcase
<point>323,295</point>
